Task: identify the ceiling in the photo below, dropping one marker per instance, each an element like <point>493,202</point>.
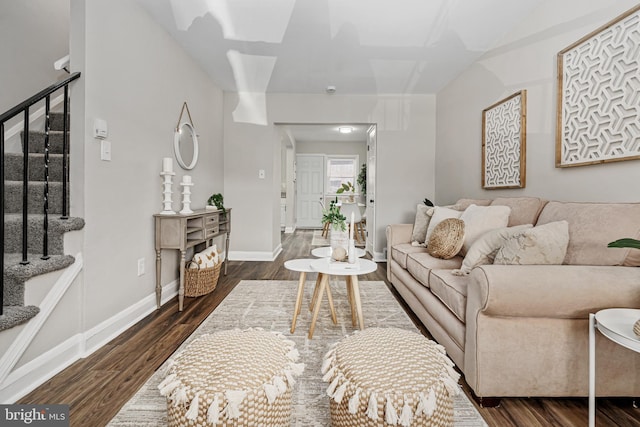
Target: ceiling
<point>357,46</point>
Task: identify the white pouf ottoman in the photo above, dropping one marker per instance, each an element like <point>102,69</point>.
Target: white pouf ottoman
<point>232,378</point>
<point>389,376</point>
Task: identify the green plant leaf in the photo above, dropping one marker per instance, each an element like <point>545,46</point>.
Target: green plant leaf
<point>625,243</point>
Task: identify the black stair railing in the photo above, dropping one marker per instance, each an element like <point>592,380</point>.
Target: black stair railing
<point>23,108</point>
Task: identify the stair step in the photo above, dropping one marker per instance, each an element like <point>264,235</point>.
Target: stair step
<point>13,197</point>
<point>16,315</point>
<point>55,120</point>
<point>16,274</point>
<point>36,141</point>
<point>57,228</point>
<point>13,167</point>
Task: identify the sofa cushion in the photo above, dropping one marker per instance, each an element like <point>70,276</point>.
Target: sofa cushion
<point>481,219</point>
<point>400,251</point>
<point>592,226</point>
<point>463,204</point>
<point>524,210</point>
<point>423,216</point>
<point>419,264</point>
<point>451,290</point>
<point>484,250</point>
<point>542,245</point>
<point>447,239</point>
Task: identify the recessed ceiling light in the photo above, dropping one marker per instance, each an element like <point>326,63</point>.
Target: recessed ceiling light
<point>345,129</point>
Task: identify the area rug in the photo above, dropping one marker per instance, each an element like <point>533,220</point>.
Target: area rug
<point>319,240</point>
<point>269,304</point>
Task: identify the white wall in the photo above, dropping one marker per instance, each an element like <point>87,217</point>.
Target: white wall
<point>34,34</point>
<point>526,59</point>
<point>137,78</point>
<point>406,147</point>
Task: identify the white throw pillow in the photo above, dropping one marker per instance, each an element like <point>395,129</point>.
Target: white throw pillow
<point>440,214</point>
<point>423,216</point>
<point>484,249</point>
<point>542,245</point>
<point>207,258</point>
<point>481,219</point>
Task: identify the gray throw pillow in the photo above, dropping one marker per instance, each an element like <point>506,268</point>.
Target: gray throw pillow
<point>423,216</point>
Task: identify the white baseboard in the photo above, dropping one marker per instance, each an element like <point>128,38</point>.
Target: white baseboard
<point>379,257</point>
<point>34,373</point>
<point>255,256</point>
<point>104,332</point>
<point>289,230</point>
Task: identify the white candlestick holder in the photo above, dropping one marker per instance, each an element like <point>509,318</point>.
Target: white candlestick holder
<point>166,201</point>
<point>186,197</point>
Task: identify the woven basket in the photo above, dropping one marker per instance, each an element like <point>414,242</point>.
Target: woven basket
<point>200,281</point>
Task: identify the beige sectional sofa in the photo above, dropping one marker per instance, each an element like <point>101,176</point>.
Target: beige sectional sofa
<point>522,330</point>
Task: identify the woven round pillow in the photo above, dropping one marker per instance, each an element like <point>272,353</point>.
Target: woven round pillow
<point>232,378</point>
<point>383,376</point>
<point>447,239</point>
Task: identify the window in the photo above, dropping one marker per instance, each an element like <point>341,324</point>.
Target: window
<point>341,169</point>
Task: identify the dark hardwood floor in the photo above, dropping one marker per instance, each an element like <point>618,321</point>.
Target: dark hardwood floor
<point>98,386</point>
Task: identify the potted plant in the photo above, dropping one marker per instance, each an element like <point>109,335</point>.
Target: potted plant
<point>338,235</point>
<point>348,186</point>
<point>362,179</point>
<point>218,201</point>
<point>334,217</point>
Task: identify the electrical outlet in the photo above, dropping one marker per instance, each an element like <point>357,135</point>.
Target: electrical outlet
<point>261,174</point>
<point>140,266</point>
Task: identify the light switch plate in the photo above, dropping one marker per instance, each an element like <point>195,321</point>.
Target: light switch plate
<point>105,150</point>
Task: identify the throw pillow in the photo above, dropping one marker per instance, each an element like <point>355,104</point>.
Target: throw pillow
<point>545,244</point>
<point>440,214</point>
<point>446,239</point>
<point>423,216</point>
<point>481,219</point>
<point>484,249</point>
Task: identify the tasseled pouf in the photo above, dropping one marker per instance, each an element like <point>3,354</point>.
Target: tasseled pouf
<point>232,378</point>
<point>389,376</point>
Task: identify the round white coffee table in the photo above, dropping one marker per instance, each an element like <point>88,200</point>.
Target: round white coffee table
<point>325,252</point>
<point>617,325</point>
<point>328,268</point>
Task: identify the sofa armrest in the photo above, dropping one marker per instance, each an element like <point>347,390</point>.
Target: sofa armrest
<point>554,291</point>
<point>396,233</point>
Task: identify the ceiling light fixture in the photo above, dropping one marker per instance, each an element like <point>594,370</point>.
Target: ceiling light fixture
<point>331,89</point>
<point>345,129</point>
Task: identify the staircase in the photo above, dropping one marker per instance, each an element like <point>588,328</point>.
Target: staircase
<point>44,249</point>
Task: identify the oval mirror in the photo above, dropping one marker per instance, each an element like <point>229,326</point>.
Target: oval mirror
<point>185,146</point>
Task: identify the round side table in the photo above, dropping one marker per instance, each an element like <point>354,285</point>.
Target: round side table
<point>304,266</point>
<point>327,268</point>
<point>617,325</point>
<point>325,252</point>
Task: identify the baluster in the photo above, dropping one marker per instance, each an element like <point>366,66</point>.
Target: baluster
<point>65,154</point>
<point>25,189</point>
<point>47,147</point>
<point>2,211</point>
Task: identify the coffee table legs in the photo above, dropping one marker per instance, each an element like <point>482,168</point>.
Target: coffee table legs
<point>352,283</point>
<point>296,311</point>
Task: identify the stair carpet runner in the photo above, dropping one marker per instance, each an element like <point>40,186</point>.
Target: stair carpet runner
<point>15,274</point>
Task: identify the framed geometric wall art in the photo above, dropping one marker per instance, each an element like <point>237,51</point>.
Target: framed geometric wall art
<point>598,112</point>
<point>504,143</point>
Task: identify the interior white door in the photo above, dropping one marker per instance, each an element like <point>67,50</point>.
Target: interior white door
<point>310,190</point>
<point>371,190</point>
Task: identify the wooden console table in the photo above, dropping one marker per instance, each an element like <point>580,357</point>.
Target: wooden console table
<point>184,231</point>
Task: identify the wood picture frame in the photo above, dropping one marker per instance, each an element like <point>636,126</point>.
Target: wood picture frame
<point>504,142</point>
<point>598,95</point>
